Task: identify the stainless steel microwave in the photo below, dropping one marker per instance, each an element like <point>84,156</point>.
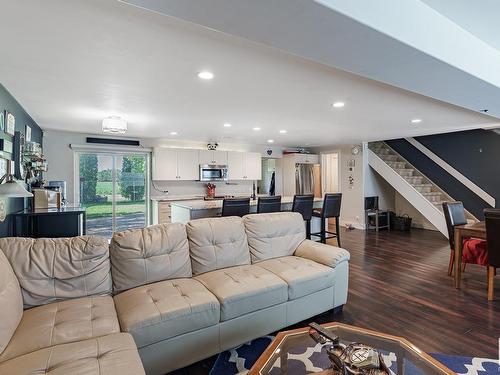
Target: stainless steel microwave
<point>210,172</point>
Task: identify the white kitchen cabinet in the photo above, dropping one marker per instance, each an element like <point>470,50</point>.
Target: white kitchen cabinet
<point>188,165</point>
<point>164,164</point>
<point>213,157</point>
<point>244,165</point>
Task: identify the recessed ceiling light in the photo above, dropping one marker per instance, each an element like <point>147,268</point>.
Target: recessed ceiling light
<point>270,141</point>
<point>338,104</point>
<point>283,131</point>
<point>416,120</point>
<point>256,129</point>
<point>227,125</point>
<point>205,75</point>
<point>173,133</point>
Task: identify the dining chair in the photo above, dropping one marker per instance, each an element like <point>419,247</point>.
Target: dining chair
<point>330,209</point>
<point>303,204</point>
<point>235,206</point>
<point>269,204</point>
<point>473,249</point>
<point>492,222</point>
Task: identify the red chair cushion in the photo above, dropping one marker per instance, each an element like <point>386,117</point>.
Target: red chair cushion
<point>474,251</point>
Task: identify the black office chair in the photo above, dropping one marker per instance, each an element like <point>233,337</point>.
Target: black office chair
<point>492,219</point>
<point>331,208</point>
<point>269,204</point>
<point>454,214</point>
<point>304,205</point>
<point>235,206</point>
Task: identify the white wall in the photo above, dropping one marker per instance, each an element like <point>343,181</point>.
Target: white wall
<point>61,161</point>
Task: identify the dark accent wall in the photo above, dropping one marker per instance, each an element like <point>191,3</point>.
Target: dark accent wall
<point>475,154</point>
<point>8,102</point>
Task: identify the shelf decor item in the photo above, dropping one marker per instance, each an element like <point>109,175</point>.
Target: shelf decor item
<point>6,146</point>
<point>2,121</point>
<point>10,123</point>
<point>28,133</point>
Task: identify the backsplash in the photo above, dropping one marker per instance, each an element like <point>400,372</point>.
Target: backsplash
<point>193,188</point>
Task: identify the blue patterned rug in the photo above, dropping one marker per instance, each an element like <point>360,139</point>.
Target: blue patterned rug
<point>243,357</point>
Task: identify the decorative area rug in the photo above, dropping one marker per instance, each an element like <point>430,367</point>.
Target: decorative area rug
<point>309,360</point>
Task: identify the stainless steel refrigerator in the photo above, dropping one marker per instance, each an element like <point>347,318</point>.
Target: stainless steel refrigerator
<point>308,179</point>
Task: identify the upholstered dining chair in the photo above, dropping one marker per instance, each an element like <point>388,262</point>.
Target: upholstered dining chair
<point>473,249</point>
<point>235,206</point>
<point>269,204</point>
<point>492,218</point>
<point>303,204</point>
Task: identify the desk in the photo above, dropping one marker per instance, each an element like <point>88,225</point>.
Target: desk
<point>476,230</point>
<point>67,221</point>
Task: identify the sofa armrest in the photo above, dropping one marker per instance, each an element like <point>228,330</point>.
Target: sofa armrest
<point>318,252</point>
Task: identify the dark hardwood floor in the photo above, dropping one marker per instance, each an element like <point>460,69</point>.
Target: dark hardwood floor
<point>398,284</point>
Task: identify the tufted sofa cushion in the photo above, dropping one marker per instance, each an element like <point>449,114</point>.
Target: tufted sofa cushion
<point>274,235</point>
<point>162,310</point>
<point>61,323</point>
<point>114,354</point>
<point>143,256</point>
<point>11,302</point>
<point>217,243</point>
<point>53,269</point>
<point>244,289</point>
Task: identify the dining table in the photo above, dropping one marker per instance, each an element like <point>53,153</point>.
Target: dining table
<point>475,230</point>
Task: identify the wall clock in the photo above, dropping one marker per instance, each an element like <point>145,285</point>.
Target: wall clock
<point>355,150</point>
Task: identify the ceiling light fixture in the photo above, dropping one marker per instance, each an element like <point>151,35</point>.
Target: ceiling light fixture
<point>283,131</point>
<point>256,129</point>
<point>114,125</point>
<point>338,104</point>
<point>270,141</point>
<point>173,133</point>
<point>227,125</point>
<point>205,75</point>
<point>416,121</point>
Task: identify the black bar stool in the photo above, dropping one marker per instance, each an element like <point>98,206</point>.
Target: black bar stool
<point>269,204</point>
<point>304,205</point>
<point>331,208</point>
<point>235,206</point>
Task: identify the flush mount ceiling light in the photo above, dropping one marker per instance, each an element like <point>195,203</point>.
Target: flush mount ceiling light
<point>256,129</point>
<point>114,125</point>
<point>173,133</point>
<point>283,131</point>
<point>416,121</point>
<point>338,104</point>
<point>205,74</point>
<point>270,141</point>
<point>227,125</point>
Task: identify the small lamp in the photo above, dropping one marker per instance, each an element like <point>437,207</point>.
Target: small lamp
<point>10,189</point>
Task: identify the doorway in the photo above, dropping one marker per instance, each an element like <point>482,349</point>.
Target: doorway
<point>113,189</point>
<point>330,172</point>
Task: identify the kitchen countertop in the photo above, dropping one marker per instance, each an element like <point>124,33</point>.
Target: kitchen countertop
<point>217,204</point>
<point>169,198</point>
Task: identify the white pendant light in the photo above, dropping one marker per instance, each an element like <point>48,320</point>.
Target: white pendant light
<point>13,189</point>
<point>114,125</point>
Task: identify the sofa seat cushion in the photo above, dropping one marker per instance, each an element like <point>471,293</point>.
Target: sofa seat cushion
<point>244,289</point>
<point>303,276</point>
<point>114,354</point>
<point>156,312</point>
<point>62,322</point>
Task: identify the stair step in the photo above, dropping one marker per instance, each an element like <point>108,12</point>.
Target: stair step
<point>414,180</point>
<point>405,172</point>
<point>396,164</point>
<point>423,188</point>
<point>389,158</point>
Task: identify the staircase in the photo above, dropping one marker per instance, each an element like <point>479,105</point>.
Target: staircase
<point>421,192</point>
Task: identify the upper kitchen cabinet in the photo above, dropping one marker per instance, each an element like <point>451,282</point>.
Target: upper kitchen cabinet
<point>244,165</point>
<point>175,164</point>
<point>213,157</point>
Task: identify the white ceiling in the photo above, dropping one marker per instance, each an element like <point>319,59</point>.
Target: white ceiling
<point>70,64</point>
<point>480,18</point>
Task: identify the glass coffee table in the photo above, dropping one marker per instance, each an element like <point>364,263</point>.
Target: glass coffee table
<point>295,352</point>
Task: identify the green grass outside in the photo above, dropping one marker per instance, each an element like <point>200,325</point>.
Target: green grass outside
<point>106,209</point>
<point>104,188</point>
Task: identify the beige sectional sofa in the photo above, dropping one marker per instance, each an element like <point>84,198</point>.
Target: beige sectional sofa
<point>182,292</point>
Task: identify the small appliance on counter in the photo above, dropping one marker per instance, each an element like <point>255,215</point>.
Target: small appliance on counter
<point>46,198</point>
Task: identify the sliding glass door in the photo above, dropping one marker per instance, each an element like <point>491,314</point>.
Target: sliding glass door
<point>114,190</point>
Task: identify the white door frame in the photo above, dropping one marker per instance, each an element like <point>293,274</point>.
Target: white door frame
<point>324,172</point>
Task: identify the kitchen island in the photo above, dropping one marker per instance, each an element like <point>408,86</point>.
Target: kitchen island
<point>184,211</point>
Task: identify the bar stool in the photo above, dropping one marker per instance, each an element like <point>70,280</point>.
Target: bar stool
<point>235,206</point>
<point>331,208</point>
<point>304,205</point>
<point>269,204</point>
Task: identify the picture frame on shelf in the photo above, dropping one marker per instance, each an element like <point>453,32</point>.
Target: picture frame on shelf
<point>10,123</point>
<point>2,121</point>
<point>28,133</point>
<point>3,166</point>
<point>6,146</point>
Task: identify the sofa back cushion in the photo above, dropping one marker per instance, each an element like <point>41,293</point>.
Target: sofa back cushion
<point>274,235</point>
<point>216,243</point>
<point>143,256</point>
<point>54,269</point>
<point>11,302</point>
